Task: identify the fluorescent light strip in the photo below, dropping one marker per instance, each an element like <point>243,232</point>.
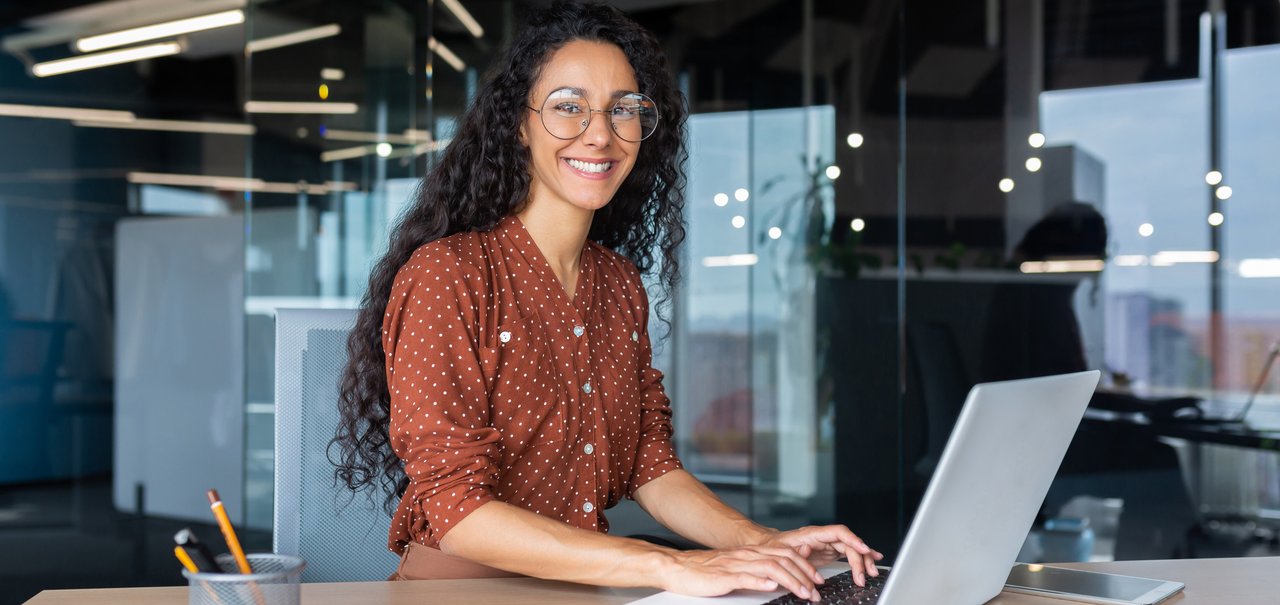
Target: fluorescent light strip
<point>446,54</point>
<point>1260,267</point>
<point>65,113</point>
<point>1173,257</point>
<point>160,30</point>
<point>231,183</point>
<point>332,74</point>
<point>424,148</point>
<point>732,260</point>
<point>175,126</point>
<point>465,17</point>
<point>409,137</point>
<point>298,37</point>
<point>111,57</point>
<point>1130,260</point>
<point>299,107</point>
<point>347,153</point>
<point>1064,266</point>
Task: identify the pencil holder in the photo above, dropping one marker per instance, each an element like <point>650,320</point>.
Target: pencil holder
<point>276,580</point>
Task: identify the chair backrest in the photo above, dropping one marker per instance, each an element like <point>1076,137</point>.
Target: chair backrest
<point>343,538</point>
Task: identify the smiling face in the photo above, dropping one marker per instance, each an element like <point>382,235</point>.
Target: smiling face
<point>583,172</point>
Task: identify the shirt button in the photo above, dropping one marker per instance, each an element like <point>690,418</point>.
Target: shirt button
<point>588,448</point>
<point>578,330</point>
<point>588,507</point>
<point>586,388</point>
<point>505,336</point>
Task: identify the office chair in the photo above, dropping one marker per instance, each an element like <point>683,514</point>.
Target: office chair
<point>341,536</point>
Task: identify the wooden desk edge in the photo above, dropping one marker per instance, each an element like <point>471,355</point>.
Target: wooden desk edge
<point>1240,581</point>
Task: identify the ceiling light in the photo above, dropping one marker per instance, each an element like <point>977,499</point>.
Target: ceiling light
<point>1036,140</point>
<point>854,140</point>
<point>1146,229</point>
<point>731,260</point>
<point>833,172</point>
<point>103,59</point>
<point>739,221</point>
<point>1173,257</point>
<point>1260,267</point>
<point>463,16</point>
<point>741,194</point>
<point>332,73</point>
<point>173,126</point>
<point>1006,185</point>
<point>231,183</point>
<point>1223,192</point>
<point>299,107</point>
<point>721,199</point>
<point>409,137</point>
<point>298,37</point>
<point>160,30</point>
<point>347,153</point>
<point>1092,265</point>
<point>1130,260</point>
<point>857,224</point>
<point>1213,177</point>
<point>1033,164</point>
<point>775,232</point>
<point>1216,218</point>
<point>65,113</point>
<point>440,49</point>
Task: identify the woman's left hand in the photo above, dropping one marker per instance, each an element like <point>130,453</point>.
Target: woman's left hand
<point>823,544</point>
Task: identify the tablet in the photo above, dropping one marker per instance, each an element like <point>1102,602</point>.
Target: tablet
<point>1088,586</point>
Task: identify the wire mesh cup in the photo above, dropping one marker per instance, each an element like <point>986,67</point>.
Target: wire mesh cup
<point>276,580</point>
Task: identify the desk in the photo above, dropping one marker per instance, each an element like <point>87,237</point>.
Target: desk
<point>1209,582</point>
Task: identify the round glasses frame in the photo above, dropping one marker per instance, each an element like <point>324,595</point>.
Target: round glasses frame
<point>585,123</point>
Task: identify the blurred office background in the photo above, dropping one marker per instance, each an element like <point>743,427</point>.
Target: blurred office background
<point>888,201</point>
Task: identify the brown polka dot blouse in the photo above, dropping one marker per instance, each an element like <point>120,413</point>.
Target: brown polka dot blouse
<point>505,388</point>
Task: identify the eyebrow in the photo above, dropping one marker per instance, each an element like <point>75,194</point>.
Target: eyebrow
<point>583,91</point>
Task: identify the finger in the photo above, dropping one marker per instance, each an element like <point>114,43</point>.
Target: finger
<point>800,561</point>
<point>856,566</point>
<point>753,582</point>
<point>791,581</point>
<point>870,563</point>
<point>834,534</point>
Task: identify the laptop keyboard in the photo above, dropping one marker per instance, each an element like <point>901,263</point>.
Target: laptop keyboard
<point>840,590</point>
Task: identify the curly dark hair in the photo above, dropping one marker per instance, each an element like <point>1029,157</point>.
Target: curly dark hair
<point>482,177</point>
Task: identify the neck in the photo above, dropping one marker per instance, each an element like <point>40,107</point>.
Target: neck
<point>559,231</point>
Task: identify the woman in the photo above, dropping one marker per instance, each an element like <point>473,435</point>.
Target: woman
<point>502,355</point>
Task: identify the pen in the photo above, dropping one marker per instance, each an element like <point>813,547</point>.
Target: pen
<point>228,532</point>
<point>196,550</point>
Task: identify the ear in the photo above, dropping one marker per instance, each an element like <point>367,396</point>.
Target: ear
<point>523,133</point>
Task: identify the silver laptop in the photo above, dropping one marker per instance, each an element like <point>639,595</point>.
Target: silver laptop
<point>1003,453</point>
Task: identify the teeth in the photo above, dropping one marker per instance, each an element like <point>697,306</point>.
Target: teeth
<point>589,167</point>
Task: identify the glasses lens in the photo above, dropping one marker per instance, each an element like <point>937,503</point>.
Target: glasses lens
<point>566,113</point>
<point>634,117</point>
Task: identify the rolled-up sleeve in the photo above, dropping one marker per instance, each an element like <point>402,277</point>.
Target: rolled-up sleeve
<point>439,417</point>
<point>655,454</point>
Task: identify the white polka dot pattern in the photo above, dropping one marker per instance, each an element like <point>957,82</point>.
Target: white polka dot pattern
<point>505,387</point>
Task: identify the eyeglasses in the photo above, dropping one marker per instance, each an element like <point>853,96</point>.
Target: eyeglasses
<point>566,115</point>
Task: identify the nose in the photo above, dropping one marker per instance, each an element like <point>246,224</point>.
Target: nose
<point>598,134</point>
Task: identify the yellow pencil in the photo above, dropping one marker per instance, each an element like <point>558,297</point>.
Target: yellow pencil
<point>228,532</point>
<point>191,567</point>
<point>186,559</point>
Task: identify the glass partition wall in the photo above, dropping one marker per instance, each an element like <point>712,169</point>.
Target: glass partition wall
<point>888,202</point>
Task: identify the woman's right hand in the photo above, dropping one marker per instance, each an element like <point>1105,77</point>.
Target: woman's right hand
<point>710,573</point>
